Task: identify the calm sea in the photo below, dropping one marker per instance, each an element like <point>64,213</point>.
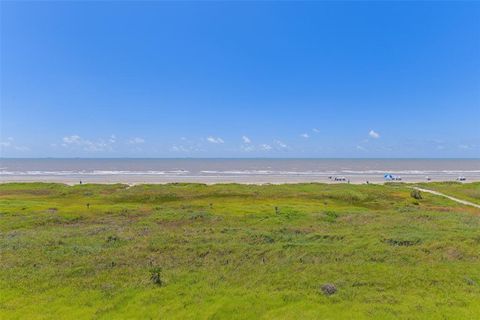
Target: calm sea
<point>235,170</point>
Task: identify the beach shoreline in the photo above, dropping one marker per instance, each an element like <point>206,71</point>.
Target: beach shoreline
<point>222,180</point>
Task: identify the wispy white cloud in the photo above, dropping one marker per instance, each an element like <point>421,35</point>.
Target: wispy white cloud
<point>361,148</point>
<point>21,148</point>
<point>180,148</point>
<point>73,139</point>
<point>265,147</point>
<point>216,140</point>
<point>305,135</point>
<point>316,130</point>
<point>136,140</point>
<point>275,145</point>
<point>85,144</point>
<point>186,147</point>
<point>280,144</point>
<point>247,148</point>
<point>246,139</point>
<point>9,143</point>
<point>374,134</point>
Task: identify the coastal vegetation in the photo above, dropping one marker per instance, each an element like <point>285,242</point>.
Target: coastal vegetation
<point>195,251</point>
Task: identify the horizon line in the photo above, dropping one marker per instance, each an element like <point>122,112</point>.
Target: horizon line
<point>243,158</point>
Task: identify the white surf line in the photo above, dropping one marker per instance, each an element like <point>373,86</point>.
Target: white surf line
<point>468,203</point>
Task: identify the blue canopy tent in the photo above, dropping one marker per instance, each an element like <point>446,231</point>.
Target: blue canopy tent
<point>391,177</point>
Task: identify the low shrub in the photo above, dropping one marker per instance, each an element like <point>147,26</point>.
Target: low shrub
<point>156,276</point>
<point>328,289</point>
<point>416,194</point>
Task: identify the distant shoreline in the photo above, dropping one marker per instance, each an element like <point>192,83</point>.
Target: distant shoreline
<point>218,180</point>
<point>245,171</point>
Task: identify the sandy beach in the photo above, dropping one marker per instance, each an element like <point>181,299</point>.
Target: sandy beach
<point>250,179</point>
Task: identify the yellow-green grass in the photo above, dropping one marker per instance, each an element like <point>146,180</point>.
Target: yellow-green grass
<point>236,252</point>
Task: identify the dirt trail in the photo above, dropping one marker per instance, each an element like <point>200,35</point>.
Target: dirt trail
<point>468,203</point>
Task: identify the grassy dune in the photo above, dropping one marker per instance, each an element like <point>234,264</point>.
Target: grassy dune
<point>191,251</point>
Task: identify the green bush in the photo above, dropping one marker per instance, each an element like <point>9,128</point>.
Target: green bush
<point>416,194</point>
<point>156,276</point>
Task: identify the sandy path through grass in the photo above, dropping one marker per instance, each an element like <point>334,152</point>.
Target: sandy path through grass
<point>468,203</point>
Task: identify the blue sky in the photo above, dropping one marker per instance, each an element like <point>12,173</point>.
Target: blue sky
<point>256,79</point>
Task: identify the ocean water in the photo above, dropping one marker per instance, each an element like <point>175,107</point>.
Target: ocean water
<point>235,170</point>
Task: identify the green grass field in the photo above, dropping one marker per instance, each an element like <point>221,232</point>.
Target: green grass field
<point>191,251</point>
